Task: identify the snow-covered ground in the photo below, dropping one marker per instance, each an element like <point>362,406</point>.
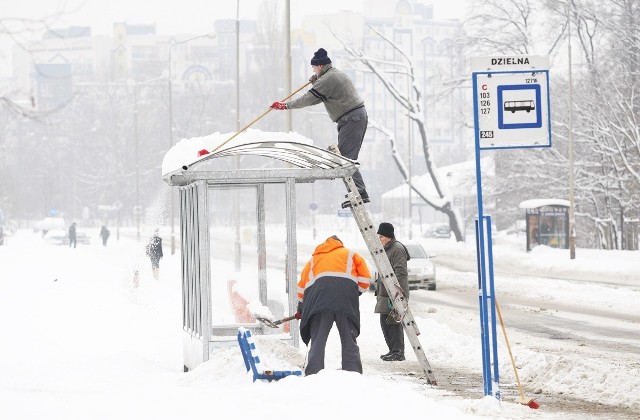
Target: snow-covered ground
<point>79,341</point>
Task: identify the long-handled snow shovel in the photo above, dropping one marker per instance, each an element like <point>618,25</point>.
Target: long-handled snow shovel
<point>275,324</point>
<point>206,152</point>
<point>522,400</point>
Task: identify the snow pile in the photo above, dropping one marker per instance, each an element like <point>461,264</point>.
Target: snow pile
<point>186,151</point>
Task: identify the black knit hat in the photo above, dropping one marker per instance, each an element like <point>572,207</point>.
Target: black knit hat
<point>386,229</point>
<point>320,57</point>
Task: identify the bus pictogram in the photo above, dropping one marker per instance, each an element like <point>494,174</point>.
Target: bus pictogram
<point>514,106</point>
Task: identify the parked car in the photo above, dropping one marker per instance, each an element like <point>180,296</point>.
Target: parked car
<point>61,237</point>
<point>81,238</point>
<point>439,230</point>
<point>422,272</point>
<point>56,237</point>
<point>49,223</point>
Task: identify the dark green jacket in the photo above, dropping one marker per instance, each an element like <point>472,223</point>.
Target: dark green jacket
<point>398,257</point>
<point>334,89</point>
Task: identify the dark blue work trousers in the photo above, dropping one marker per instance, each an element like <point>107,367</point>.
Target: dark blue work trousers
<point>320,325</point>
<point>352,127</point>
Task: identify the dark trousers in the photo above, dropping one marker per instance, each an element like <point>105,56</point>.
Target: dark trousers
<point>393,335</point>
<point>352,127</point>
<point>321,324</point>
<point>155,262</point>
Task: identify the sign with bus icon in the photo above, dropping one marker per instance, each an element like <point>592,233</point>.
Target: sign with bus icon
<point>511,102</point>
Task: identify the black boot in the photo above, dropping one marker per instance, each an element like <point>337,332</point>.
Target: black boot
<point>395,356</point>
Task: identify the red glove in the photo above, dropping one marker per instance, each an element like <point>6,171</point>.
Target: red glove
<point>278,105</point>
<point>298,316</point>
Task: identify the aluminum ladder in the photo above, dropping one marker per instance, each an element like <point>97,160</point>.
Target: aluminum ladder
<point>385,271</point>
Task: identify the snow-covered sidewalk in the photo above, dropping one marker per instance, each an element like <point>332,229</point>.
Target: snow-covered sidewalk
<point>81,342</point>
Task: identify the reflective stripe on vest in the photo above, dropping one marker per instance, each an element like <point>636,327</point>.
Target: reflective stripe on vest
<point>346,274</point>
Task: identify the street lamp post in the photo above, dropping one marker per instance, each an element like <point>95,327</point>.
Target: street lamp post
<point>572,217</point>
<point>237,249</point>
<point>137,209</point>
<point>173,44</point>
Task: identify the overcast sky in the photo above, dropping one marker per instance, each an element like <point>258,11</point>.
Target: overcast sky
<point>178,16</point>
<point>169,16</point>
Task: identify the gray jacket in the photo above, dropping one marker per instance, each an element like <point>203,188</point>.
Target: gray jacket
<point>334,89</point>
<point>398,257</point>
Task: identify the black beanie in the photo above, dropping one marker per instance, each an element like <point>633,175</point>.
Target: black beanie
<point>320,57</point>
<point>386,229</point>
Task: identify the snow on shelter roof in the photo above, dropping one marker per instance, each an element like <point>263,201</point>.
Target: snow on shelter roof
<point>182,164</point>
<point>540,202</point>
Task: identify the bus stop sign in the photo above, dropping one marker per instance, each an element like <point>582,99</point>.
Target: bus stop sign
<point>511,101</point>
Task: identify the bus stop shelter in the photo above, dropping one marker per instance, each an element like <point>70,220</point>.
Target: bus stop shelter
<point>547,222</point>
<point>214,195</point>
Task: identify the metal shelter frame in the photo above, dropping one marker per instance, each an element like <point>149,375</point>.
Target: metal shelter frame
<point>309,164</point>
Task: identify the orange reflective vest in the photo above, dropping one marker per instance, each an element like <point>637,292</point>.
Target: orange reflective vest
<point>332,259</point>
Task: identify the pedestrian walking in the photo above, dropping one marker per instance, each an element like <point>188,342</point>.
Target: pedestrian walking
<point>73,238</point>
<point>154,252</point>
<point>104,234</point>
<point>328,292</point>
<point>345,107</point>
<point>390,322</point>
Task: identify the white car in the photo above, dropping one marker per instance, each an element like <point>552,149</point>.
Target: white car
<point>422,272</point>
<point>56,237</point>
<point>440,230</point>
<point>61,237</point>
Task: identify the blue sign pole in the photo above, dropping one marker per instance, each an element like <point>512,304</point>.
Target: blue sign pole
<point>511,110</point>
<point>486,333</point>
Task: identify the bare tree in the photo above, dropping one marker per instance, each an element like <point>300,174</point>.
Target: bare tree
<point>411,103</point>
<point>606,105</point>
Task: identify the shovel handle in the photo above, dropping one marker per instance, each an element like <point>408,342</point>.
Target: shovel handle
<point>283,320</point>
<point>256,119</point>
<point>274,324</point>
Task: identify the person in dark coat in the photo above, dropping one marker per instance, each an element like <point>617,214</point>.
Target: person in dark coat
<point>104,234</point>
<point>72,235</point>
<point>389,320</point>
<point>345,107</point>
<point>154,252</point>
<point>328,292</point>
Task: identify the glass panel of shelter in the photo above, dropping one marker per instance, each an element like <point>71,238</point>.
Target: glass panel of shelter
<point>235,261</point>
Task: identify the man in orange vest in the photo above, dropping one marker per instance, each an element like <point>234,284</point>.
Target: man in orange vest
<point>328,291</point>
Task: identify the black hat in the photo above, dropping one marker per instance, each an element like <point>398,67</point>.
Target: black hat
<point>386,229</point>
<point>320,57</point>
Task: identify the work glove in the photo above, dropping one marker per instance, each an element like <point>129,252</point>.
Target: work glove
<point>279,105</point>
<point>298,316</point>
<point>313,78</point>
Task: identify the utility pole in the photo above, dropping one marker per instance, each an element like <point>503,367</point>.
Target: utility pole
<point>572,215</point>
<point>237,254</point>
<point>171,192</point>
<point>287,35</point>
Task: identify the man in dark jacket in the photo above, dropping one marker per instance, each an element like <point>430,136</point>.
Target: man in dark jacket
<point>344,106</point>
<point>154,252</point>
<point>328,291</point>
<point>104,234</point>
<point>72,235</point>
<point>389,321</point>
